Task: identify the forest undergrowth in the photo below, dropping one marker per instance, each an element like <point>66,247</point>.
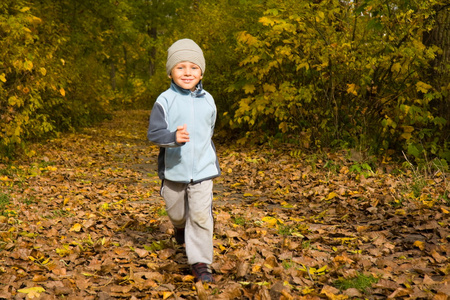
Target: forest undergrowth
<point>82,218</point>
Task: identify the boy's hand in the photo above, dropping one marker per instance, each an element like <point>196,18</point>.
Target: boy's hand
<point>182,136</point>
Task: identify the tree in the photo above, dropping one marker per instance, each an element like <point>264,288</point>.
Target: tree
<point>31,87</point>
<point>438,72</point>
<point>341,74</point>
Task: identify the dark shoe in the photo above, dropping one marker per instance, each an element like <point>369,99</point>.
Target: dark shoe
<point>201,272</point>
<point>179,235</point>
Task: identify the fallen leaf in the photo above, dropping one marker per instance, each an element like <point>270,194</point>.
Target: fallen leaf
<point>76,227</point>
<point>419,244</point>
<point>32,292</point>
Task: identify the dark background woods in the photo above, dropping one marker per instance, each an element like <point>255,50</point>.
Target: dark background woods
<point>366,75</point>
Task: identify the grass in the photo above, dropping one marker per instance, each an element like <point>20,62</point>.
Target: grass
<point>239,220</point>
<point>285,230</point>
<point>361,282</point>
<point>5,200</point>
<point>161,212</point>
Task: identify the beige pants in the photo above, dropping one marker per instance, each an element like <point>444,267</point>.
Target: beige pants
<point>189,205</point>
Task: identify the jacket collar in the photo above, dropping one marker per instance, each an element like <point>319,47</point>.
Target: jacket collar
<point>199,92</point>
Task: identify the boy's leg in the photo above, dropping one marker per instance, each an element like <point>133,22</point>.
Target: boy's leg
<point>199,223</point>
<point>175,197</point>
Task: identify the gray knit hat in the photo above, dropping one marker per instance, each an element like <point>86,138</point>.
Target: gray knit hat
<point>184,50</point>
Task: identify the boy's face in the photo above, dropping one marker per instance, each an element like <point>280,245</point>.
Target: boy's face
<point>186,75</point>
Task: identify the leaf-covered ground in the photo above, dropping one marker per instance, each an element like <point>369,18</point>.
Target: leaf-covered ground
<point>83,219</point>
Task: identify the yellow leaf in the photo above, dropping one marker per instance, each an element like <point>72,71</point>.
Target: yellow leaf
<point>322,269</point>
<point>236,184</point>
<point>408,128</point>
<point>76,227</point>
<point>400,212</point>
<point>167,295</point>
<point>62,91</point>
<point>307,290</point>
<point>256,268</point>
<point>423,87</point>
<point>12,100</point>
<point>248,195</point>
<point>286,205</point>
<point>320,15</point>
<point>249,88</point>
<point>188,278</point>
<point>43,71</point>
<point>266,21</point>
<point>28,65</point>
<point>32,292</point>
<point>2,77</point>
<point>351,89</point>
<point>396,67</point>
<point>406,135</point>
<point>331,196</point>
<point>269,88</point>
<point>419,245</point>
<point>24,9</point>
<point>271,221</point>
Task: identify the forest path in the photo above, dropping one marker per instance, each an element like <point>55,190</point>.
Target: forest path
<point>83,219</point>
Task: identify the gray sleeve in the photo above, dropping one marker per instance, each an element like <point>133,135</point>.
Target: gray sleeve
<point>158,131</point>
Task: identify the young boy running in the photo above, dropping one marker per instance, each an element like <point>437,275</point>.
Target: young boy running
<point>182,124</point>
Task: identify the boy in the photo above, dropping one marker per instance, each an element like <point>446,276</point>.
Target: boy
<point>182,124</point>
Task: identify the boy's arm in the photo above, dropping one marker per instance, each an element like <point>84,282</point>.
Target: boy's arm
<point>158,131</point>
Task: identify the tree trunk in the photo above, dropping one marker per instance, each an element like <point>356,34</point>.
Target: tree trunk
<point>152,32</point>
<point>438,73</point>
<point>440,36</point>
<point>112,75</point>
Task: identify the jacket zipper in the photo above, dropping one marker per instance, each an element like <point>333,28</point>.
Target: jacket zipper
<point>191,130</point>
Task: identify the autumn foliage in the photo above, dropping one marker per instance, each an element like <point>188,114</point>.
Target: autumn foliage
<point>345,73</point>
<point>368,75</point>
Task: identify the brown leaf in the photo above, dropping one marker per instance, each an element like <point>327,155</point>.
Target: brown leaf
<point>444,289</point>
<point>352,292</point>
<point>121,288</point>
<point>201,292</point>
<point>39,278</point>
<point>230,291</point>
<point>141,252</point>
<point>329,291</point>
<point>428,280</point>
<point>148,275</point>
<point>242,269</point>
<point>439,258</point>
<point>400,292</point>
<point>262,293</point>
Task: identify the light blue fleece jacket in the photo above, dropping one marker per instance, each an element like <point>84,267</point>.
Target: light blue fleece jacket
<point>195,160</point>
